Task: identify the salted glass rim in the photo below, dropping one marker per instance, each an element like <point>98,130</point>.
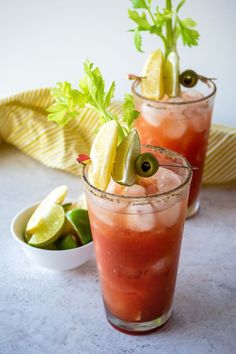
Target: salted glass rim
<point>147,198</point>
<point>209,82</point>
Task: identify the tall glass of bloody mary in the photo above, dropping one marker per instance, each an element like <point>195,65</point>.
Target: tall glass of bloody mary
<point>181,124</point>
<point>137,233</point>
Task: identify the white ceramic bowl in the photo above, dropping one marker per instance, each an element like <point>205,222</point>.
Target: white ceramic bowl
<point>56,260</point>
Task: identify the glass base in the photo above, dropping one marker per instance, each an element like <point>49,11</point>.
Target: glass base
<point>137,327</point>
<point>193,209</point>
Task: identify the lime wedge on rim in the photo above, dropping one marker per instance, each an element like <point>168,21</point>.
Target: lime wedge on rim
<point>172,74</point>
<point>80,221</point>
<point>50,227</point>
<point>152,85</point>
<point>56,196</point>
<point>124,165</point>
<point>102,155</point>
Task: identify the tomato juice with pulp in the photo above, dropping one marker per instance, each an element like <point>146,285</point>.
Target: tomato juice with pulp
<point>137,233</point>
<point>181,124</point>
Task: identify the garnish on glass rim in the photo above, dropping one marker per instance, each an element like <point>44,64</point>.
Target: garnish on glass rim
<point>187,78</point>
<point>122,162</point>
<point>83,159</point>
<point>162,72</point>
<point>129,162</point>
<point>135,77</point>
<point>114,130</point>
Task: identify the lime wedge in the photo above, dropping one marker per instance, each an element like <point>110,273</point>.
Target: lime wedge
<point>102,155</point>
<point>50,227</point>
<point>124,166</point>
<point>27,236</point>
<point>80,220</point>
<point>51,247</point>
<point>67,228</point>
<point>172,74</point>
<point>152,85</point>
<point>56,196</point>
<point>67,242</point>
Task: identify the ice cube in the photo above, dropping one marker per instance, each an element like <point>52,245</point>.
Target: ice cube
<point>175,126</point>
<point>100,215</point>
<point>166,180</point>
<point>200,123</point>
<point>134,191</point>
<point>108,212</point>
<point>140,218</point>
<point>114,188</point>
<point>191,95</point>
<point>176,100</point>
<point>169,217</point>
<point>149,184</point>
<point>161,265</point>
<point>199,118</point>
<point>123,302</point>
<point>153,115</point>
<point>117,214</point>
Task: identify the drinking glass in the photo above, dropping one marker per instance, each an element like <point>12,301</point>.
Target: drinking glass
<point>181,124</point>
<point>137,243</point>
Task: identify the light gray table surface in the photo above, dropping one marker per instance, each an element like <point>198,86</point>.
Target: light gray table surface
<point>45,312</point>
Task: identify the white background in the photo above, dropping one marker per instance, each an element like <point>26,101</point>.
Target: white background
<point>46,41</point>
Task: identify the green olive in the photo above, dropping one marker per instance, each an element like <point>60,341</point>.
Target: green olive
<point>146,164</point>
<point>188,78</point>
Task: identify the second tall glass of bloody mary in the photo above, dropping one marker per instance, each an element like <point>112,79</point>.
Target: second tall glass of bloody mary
<point>175,106</point>
<point>181,124</point>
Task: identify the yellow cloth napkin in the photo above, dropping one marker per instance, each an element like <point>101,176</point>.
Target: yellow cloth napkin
<point>24,124</point>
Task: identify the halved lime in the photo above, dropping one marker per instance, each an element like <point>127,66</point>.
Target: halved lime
<point>80,220</point>
<point>67,242</point>
<point>152,85</point>
<point>102,155</point>
<point>124,166</point>
<point>50,227</point>
<point>172,75</point>
<point>56,196</point>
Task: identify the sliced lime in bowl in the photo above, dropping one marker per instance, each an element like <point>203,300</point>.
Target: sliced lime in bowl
<point>51,247</point>
<point>50,227</point>
<point>79,219</point>
<point>67,242</point>
<point>56,196</point>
